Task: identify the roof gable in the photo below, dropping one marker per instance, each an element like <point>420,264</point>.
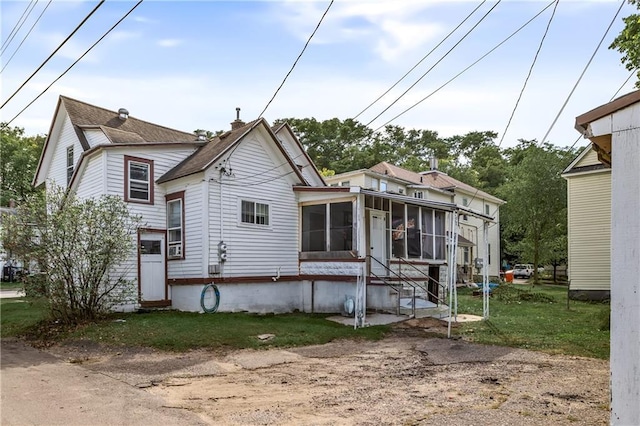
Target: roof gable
<point>83,114</point>
<point>218,146</point>
<point>432,178</point>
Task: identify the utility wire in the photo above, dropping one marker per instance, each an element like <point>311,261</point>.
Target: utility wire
<point>555,120</point>
<point>15,27</point>
<point>467,68</point>
<point>526,80</point>
<point>25,37</point>
<point>76,61</point>
<point>623,84</point>
<point>612,98</point>
<point>54,52</point>
<point>298,58</point>
<point>434,65</point>
<point>421,60</point>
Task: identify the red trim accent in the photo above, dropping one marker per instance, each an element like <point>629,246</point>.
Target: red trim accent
<point>171,197</point>
<point>166,284</point>
<point>127,159</point>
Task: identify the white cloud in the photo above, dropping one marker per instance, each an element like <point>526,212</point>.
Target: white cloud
<point>169,42</point>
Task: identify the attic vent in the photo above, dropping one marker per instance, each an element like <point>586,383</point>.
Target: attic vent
<point>123,114</point>
<point>202,135</point>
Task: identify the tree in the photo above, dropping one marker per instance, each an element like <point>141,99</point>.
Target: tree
<point>628,42</point>
<point>19,156</point>
<point>80,246</point>
<point>534,218</point>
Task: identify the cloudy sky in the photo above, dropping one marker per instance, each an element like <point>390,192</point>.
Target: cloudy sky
<point>188,65</point>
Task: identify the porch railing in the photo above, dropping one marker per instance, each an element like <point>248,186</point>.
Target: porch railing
<point>398,282</point>
<point>442,289</point>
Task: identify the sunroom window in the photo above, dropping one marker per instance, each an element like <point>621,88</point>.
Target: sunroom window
<point>327,227</point>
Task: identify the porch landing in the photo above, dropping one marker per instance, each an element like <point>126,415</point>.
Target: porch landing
<point>383,319</point>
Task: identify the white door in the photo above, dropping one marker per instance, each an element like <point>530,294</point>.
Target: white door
<point>152,267</point>
<point>378,242</point>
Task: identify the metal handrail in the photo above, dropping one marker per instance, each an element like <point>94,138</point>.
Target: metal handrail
<point>427,276</point>
<point>405,279</point>
<point>395,287</point>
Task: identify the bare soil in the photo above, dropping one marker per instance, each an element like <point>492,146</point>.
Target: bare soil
<point>414,376</point>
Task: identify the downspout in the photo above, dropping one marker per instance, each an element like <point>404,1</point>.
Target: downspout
<point>221,222</point>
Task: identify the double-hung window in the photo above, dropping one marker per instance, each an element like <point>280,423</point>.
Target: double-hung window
<point>69,163</point>
<point>138,180</point>
<point>175,225</point>
<point>254,213</point>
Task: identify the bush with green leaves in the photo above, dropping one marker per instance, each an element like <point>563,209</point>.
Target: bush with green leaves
<point>83,249</point>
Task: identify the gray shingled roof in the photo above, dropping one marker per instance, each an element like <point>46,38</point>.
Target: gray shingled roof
<point>202,157</point>
<point>131,130</point>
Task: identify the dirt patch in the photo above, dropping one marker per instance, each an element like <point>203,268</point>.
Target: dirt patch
<point>410,377</point>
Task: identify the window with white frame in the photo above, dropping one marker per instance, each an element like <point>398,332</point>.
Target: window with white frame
<point>254,213</point>
<point>486,209</point>
<point>383,185</point>
<point>69,163</point>
<point>175,225</point>
<point>327,227</point>
<point>375,184</point>
<point>418,194</point>
<point>423,231</point>
<point>138,180</point>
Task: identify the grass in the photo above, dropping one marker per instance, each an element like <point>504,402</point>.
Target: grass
<point>16,285</point>
<point>18,317</point>
<point>180,331</point>
<point>538,319</point>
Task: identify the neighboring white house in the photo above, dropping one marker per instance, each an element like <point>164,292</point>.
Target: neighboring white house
<point>435,185</point>
<point>589,226</point>
<point>247,210</point>
<point>614,130</point>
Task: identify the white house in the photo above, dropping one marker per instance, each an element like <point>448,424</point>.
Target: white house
<point>249,211</point>
<point>434,185</point>
<point>614,130</point>
<point>589,226</point>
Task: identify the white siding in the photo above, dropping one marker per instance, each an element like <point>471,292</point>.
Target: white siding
<point>255,250</point>
<point>298,157</point>
<point>590,231</point>
<point>90,182</point>
<point>58,169</point>
<point>164,159</point>
<point>191,265</point>
<point>96,137</point>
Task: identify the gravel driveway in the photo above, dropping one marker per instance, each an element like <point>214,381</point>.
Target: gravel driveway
<point>408,378</point>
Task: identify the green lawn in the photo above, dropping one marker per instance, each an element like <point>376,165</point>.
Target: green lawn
<point>538,319</point>
<point>17,316</point>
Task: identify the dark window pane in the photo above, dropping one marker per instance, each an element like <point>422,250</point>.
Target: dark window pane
<point>150,247</point>
<point>413,231</point>
<point>248,213</point>
<point>139,171</point>
<point>314,228</point>
<point>341,226</point>
<point>174,214</point>
<point>398,231</point>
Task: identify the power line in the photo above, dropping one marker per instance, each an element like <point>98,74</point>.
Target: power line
<point>612,98</point>
<point>298,58</point>
<point>555,120</point>
<point>25,37</point>
<point>623,84</point>
<point>434,65</point>
<point>76,61</point>
<point>467,68</point>
<point>54,52</point>
<point>535,58</point>
<point>11,35</point>
<point>421,60</point>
